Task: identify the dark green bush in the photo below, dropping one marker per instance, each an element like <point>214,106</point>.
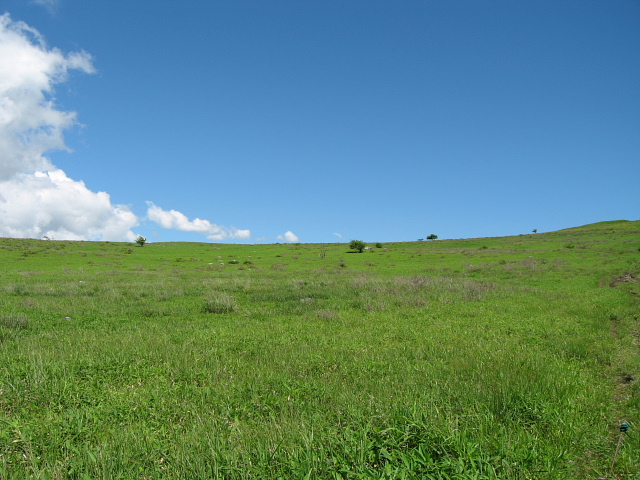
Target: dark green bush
<point>357,245</point>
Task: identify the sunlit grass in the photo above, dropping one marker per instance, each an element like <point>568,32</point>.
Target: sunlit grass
<point>439,359</point>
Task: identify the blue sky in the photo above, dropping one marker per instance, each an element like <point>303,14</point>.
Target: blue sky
<point>318,121</point>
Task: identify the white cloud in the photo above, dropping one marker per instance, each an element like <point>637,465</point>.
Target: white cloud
<point>50,5</point>
<point>289,237</point>
<point>338,235</point>
<point>179,221</point>
<point>36,198</point>
<point>53,205</point>
<point>29,122</point>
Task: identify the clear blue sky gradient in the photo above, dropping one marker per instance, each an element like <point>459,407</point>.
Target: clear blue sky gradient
<point>378,120</point>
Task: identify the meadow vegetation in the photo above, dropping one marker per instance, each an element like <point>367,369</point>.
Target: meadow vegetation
<point>489,358</point>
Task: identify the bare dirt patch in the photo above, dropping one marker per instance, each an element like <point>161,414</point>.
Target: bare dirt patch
<point>625,278</point>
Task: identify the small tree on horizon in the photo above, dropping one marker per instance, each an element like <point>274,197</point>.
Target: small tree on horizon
<point>357,245</point>
<point>141,240</point>
<point>433,236</point>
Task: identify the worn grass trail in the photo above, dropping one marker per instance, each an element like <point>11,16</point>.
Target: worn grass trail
<point>495,358</point>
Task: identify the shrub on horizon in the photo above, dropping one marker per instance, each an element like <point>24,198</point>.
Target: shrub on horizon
<point>357,245</point>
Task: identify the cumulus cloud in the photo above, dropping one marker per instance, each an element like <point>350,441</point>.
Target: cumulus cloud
<point>179,221</point>
<point>29,122</point>
<point>36,198</point>
<point>289,237</point>
<point>53,205</point>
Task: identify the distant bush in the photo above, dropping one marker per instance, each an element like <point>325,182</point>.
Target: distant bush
<point>433,236</point>
<point>378,245</point>
<point>357,245</point>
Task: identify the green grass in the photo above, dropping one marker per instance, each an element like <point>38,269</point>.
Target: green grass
<point>490,358</point>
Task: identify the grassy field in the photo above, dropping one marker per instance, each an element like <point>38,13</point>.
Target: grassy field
<point>490,358</point>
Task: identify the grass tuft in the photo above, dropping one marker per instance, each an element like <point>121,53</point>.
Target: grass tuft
<point>17,321</point>
<point>220,303</point>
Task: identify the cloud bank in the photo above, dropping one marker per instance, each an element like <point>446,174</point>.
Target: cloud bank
<point>179,221</point>
<point>53,205</point>
<point>36,198</point>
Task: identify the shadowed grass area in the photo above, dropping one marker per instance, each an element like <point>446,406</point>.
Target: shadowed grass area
<point>491,358</point>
